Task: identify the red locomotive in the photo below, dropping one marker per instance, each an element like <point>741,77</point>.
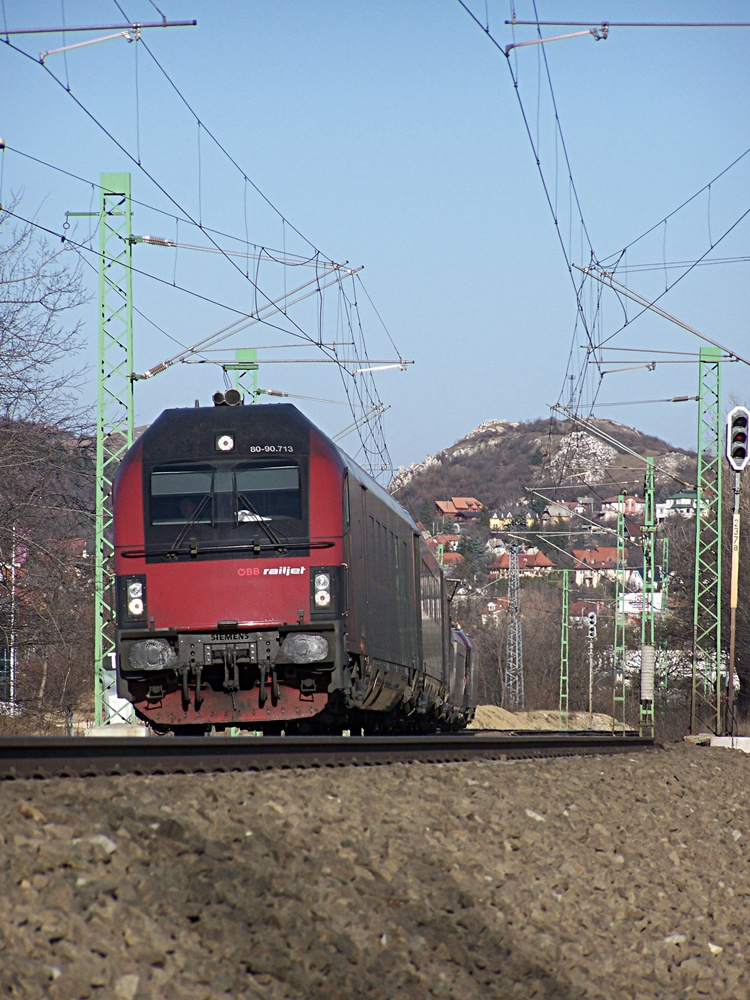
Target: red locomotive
<point>264,581</point>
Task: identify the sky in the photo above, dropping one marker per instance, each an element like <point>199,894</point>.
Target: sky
<point>396,137</point>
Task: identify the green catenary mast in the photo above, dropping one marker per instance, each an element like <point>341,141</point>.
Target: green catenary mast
<point>114,420</point>
<point>648,647</point>
<point>705,710</point>
<point>620,651</point>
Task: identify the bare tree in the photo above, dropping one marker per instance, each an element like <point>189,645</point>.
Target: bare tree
<point>46,489</point>
<point>541,618</point>
<point>40,290</point>
<point>490,635</point>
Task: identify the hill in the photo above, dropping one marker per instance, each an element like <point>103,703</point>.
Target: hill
<point>500,461</point>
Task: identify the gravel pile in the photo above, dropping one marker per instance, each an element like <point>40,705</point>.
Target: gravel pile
<point>493,717</point>
<point>609,877</point>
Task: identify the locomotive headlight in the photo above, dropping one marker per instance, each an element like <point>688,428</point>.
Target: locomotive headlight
<point>135,607</point>
<point>224,442</point>
<point>322,584</point>
<point>135,598</point>
<point>322,597</point>
<point>132,597</point>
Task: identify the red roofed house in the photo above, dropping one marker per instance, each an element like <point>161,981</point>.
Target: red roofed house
<point>531,563</point>
<point>442,544</point>
<point>492,610</point>
<point>459,507</point>
<point>452,560</point>
<point>593,565</point>
<point>633,506</point>
<point>449,542</point>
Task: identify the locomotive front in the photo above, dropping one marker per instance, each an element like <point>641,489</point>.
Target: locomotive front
<point>230,593</point>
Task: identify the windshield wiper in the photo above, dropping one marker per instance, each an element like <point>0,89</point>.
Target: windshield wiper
<point>208,498</point>
<point>257,518</point>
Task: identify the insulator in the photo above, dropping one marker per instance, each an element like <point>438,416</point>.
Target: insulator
<point>648,669</point>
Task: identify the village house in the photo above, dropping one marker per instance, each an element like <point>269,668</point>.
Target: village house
<point>444,548</point>
<point>520,515</point>
<point>450,543</point>
<point>586,505</point>
<point>594,565</point>
<point>579,611</point>
<point>682,504</point>
<point>495,547</point>
<point>500,523</point>
<point>530,563</point>
<point>632,507</point>
<point>451,560</point>
<point>633,532</point>
<point>492,611</point>
<point>458,508</point>
<point>558,511</point>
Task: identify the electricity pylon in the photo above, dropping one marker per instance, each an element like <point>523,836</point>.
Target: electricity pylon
<point>514,694</point>
<point>565,652</point>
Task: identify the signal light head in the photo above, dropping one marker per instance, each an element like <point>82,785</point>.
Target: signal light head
<point>738,426</point>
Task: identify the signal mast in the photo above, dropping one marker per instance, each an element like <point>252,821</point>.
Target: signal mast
<point>738,427</point>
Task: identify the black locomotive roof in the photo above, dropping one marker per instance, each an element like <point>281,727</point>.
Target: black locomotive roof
<point>191,434</point>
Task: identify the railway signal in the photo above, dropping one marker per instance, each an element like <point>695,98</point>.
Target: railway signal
<point>592,624</point>
<point>738,427</point>
<point>592,636</point>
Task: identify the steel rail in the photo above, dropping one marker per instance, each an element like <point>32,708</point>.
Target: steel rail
<point>54,757</point>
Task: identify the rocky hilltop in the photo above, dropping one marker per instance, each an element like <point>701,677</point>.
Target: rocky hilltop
<point>500,460</point>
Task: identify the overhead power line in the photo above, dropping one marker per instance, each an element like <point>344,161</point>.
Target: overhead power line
<point>157,184</point>
<point>348,312</point>
<point>215,140</point>
<point>551,202</point>
<point>271,253</point>
<point>609,281</point>
<point>576,389</point>
<point>599,432</point>
<point>633,24</point>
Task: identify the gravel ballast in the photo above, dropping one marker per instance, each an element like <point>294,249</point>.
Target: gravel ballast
<point>597,877</point>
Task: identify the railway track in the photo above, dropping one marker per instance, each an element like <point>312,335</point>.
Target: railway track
<point>57,757</point>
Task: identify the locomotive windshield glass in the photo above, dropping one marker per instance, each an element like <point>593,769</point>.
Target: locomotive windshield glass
<point>227,502</point>
<point>178,493</point>
<point>268,491</point>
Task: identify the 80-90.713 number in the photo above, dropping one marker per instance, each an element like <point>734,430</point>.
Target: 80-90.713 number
<point>271,449</point>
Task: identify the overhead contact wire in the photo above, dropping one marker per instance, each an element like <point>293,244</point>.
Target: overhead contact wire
<point>213,138</point>
<point>302,334</point>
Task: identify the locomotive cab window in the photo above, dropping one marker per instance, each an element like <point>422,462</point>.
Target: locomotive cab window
<point>227,501</point>
<point>268,491</point>
<point>180,494</point>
